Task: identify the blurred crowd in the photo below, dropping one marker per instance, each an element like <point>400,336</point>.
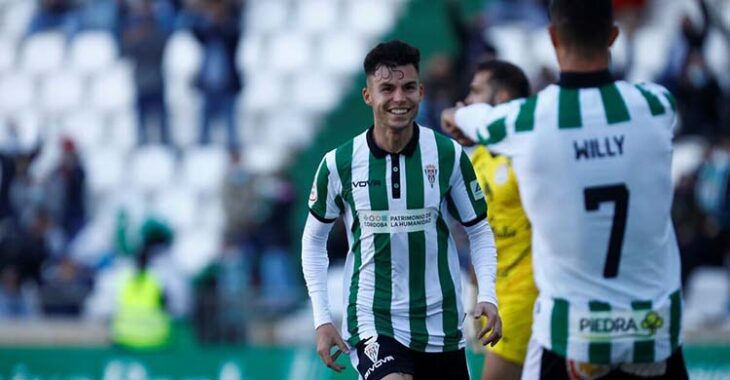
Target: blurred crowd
<point>45,213</point>
<point>141,29</point>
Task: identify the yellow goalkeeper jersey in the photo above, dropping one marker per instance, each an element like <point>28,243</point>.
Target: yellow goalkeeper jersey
<point>505,213</point>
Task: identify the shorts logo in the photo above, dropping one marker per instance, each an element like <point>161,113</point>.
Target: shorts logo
<point>586,371</point>
<point>476,190</point>
<point>430,171</point>
<point>371,350</point>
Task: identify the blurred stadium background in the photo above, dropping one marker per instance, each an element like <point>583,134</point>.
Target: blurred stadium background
<point>89,175</point>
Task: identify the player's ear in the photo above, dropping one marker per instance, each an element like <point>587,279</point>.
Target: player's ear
<point>366,96</point>
<point>554,36</point>
<point>502,96</point>
<point>421,90</point>
<point>612,37</point>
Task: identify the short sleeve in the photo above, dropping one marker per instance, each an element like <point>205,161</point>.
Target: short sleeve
<point>466,202</point>
<point>323,198</point>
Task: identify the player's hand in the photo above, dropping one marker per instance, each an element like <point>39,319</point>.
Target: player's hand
<point>327,337</point>
<point>493,326</point>
<point>448,125</point>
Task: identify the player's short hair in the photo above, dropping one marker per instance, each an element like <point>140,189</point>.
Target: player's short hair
<point>584,25</point>
<point>506,76</point>
<point>391,54</point>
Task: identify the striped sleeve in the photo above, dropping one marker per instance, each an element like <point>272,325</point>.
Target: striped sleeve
<point>466,199</point>
<point>324,201</point>
<point>660,102</point>
<point>491,125</point>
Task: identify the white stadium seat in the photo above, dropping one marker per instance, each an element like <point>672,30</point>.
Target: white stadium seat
<point>43,53</point>
<point>317,16</point>
<point>289,128</point>
<point>177,206</point>
<point>152,168</point>
<point>85,127</point>
<point>182,57</point>
<point>542,50</point>
<point>17,91</point>
<point>8,52</point>
<point>651,49</point>
<point>341,52</point>
<point>315,91</point>
<point>211,214</point>
<point>16,17</point>
<point>105,170</point>
<point>204,167</point>
<point>194,249</point>
<point>113,89</point>
<point>512,44</point>
<point>717,52</point>
<point>266,16</point>
<point>263,91</point>
<point>61,92</point>
<point>372,18</point>
<point>688,156</point>
<point>251,54</point>
<point>289,52</point>
<point>92,52</point>
<point>122,130</point>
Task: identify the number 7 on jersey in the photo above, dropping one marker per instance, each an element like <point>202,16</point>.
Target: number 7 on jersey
<point>619,194</point>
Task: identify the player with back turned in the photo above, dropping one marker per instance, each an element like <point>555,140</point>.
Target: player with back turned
<point>592,157</point>
<point>399,186</point>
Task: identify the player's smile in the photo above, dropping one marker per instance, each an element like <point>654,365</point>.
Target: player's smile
<point>394,93</point>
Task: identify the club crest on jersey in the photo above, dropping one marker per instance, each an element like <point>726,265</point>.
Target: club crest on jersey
<point>430,171</point>
<point>371,350</point>
<point>313,194</point>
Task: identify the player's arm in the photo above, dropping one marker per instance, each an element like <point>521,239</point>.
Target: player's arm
<point>484,124</point>
<point>323,211</point>
<point>469,207</point>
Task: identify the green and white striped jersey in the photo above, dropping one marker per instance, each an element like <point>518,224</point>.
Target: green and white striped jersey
<point>402,275</point>
<point>593,163</point>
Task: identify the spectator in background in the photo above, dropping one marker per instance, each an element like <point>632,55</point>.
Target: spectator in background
<point>257,211</point>
<point>699,97</point>
<point>144,41</point>
<point>240,199</point>
<point>65,191</point>
<point>690,223</point>
<point>442,91</point>
<point>18,299</point>
<point>64,287</point>
<point>530,13</point>
<point>141,321</point>
<point>472,45</point>
<point>713,197</point>
<point>688,76</point>
<point>216,25</point>
<point>55,15</point>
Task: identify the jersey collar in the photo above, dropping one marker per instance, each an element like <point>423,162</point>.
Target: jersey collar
<point>571,79</point>
<point>379,153</point>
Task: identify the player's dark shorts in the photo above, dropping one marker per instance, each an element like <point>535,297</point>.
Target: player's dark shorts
<point>380,356</point>
<point>556,367</point>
